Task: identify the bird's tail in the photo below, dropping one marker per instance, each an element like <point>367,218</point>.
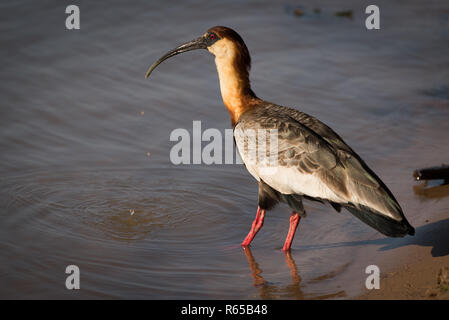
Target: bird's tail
<point>371,201</point>
<point>382,223</point>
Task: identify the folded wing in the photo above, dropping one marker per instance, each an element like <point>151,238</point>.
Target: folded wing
<point>312,160</point>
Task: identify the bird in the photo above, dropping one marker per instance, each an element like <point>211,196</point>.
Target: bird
<point>311,161</point>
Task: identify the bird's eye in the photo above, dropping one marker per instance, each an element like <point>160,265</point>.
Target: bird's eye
<point>212,36</point>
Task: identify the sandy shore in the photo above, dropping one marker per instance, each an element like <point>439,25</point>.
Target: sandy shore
<point>421,268</point>
<point>418,279</point>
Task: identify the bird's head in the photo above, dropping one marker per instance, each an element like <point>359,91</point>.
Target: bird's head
<point>224,43</point>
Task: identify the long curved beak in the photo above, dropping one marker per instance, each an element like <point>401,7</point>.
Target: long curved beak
<point>199,43</point>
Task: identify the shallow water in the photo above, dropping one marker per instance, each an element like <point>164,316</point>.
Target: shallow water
<point>86,177</point>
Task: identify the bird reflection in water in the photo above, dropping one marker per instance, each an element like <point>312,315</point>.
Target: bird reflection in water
<point>268,290</point>
<point>271,291</point>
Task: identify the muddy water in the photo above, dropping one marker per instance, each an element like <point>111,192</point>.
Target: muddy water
<point>86,177</point>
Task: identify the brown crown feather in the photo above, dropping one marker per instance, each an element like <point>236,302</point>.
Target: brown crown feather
<point>243,60</point>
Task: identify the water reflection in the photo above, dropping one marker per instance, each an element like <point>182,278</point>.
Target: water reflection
<point>424,191</point>
<point>269,290</point>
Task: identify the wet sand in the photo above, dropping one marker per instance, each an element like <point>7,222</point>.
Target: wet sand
<point>416,277</point>
<point>416,271</point>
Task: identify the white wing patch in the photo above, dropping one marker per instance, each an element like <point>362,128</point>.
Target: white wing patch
<point>287,180</point>
<point>240,138</point>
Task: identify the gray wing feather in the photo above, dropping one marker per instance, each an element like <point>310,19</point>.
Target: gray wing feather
<point>313,148</point>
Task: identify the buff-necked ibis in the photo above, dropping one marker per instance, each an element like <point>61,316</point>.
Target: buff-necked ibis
<point>313,162</point>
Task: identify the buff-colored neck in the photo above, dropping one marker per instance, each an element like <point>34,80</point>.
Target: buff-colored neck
<point>234,80</point>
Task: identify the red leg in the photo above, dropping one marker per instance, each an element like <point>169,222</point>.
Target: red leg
<point>294,221</point>
<point>257,224</point>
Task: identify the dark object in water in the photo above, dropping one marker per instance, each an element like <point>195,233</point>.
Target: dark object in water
<point>298,12</point>
<point>344,14</point>
<point>439,92</point>
<point>433,173</point>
